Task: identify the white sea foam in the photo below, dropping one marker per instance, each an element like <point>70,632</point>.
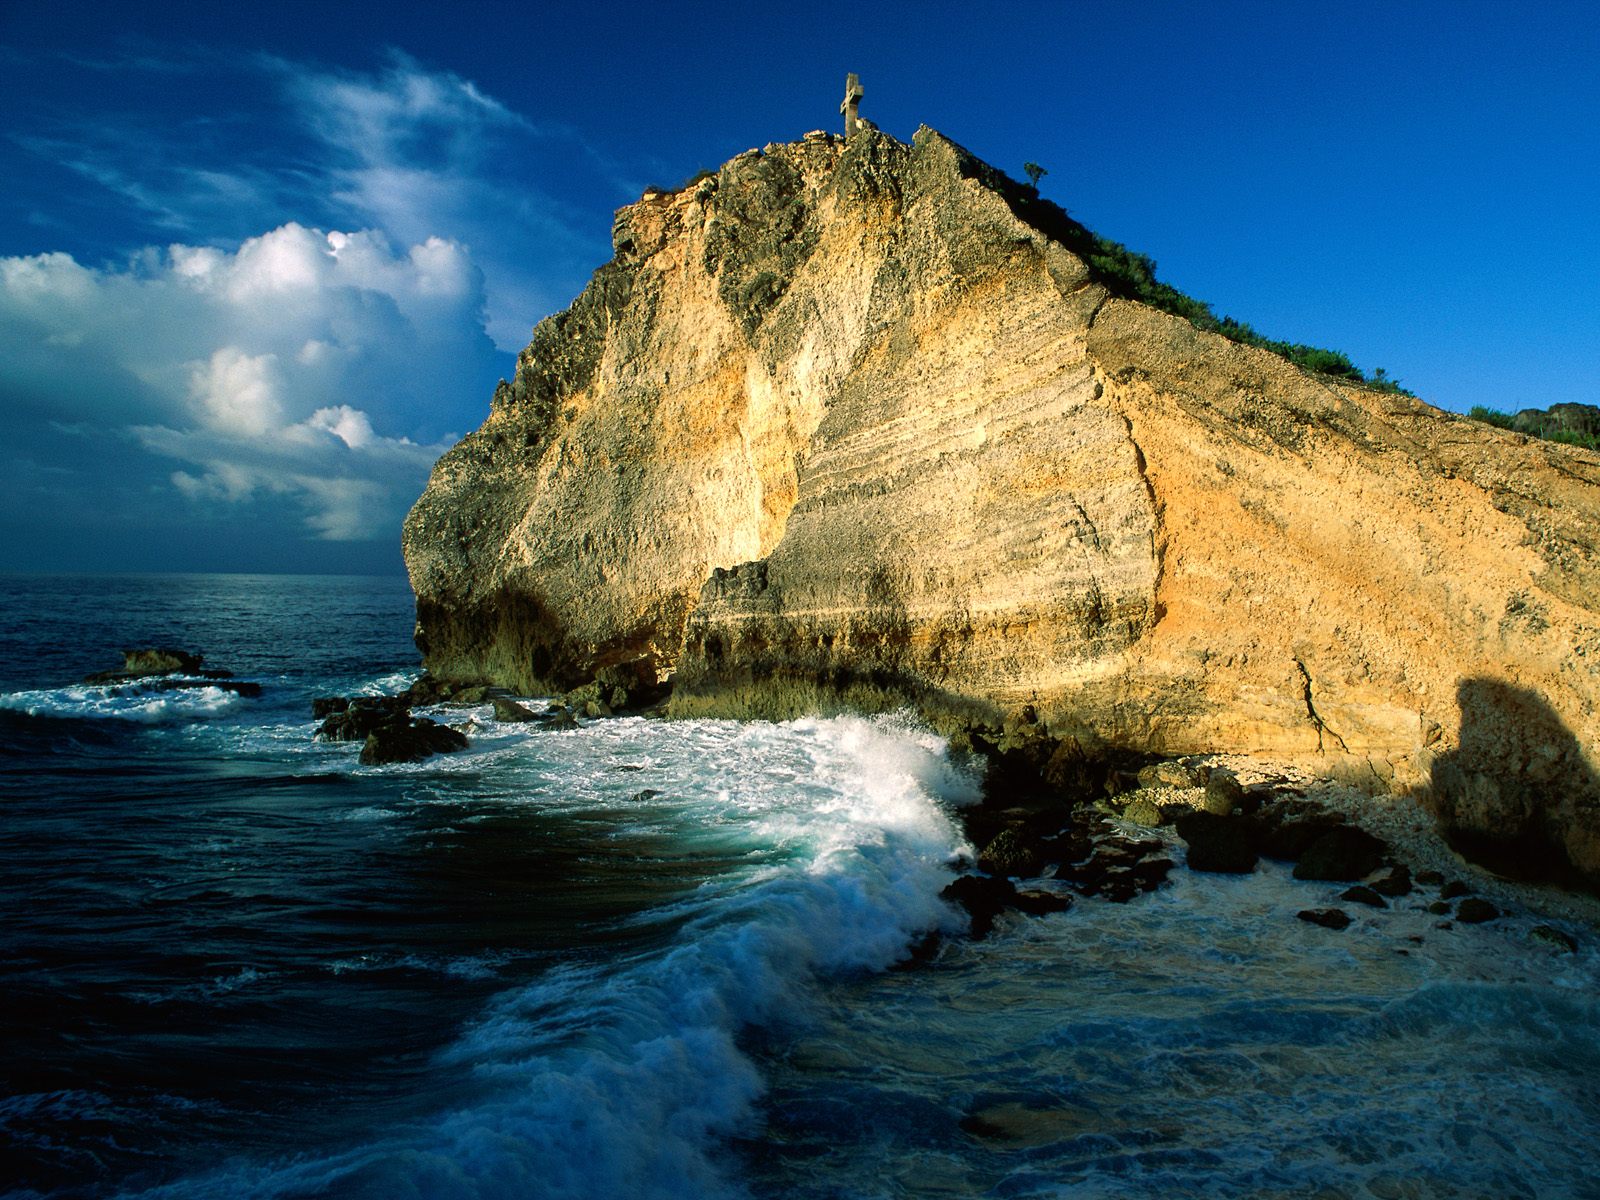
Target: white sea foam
<point>125,702</point>
<point>621,1080</point>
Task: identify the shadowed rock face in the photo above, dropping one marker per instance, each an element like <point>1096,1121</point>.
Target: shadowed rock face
<point>837,428</point>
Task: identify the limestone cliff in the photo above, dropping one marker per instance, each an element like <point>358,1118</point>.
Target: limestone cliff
<point>852,425</point>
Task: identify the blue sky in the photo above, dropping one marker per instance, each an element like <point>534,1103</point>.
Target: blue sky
<point>260,264</point>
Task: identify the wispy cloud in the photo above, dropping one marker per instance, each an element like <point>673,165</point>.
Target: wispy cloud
<point>290,375</point>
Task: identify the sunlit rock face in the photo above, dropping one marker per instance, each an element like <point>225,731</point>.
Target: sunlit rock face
<point>843,426</point>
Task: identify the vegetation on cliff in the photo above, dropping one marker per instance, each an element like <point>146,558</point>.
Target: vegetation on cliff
<point>1570,424</point>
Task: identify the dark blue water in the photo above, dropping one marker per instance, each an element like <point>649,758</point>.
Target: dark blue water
<point>222,939</point>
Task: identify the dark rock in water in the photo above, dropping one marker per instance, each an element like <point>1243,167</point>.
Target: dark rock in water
<point>1223,794</point>
<point>1286,836</point>
<point>558,717</point>
<point>1037,903</point>
<point>1429,878</point>
<point>1343,853</point>
<point>326,706</point>
<point>1438,908</point>
<point>1152,873</point>
<point>1473,911</point>
<point>1328,918</point>
<point>161,660</point>
<point>1363,895</point>
<point>511,711</point>
<point>984,898</point>
<point>1010,853</point>
<point>152,668</point>
<point>1453,889</point>
<point>410,741</point>
<point>1552,936</point>
<point>362,716</point>
<point>1396,883</point>
<point>641,796</point>
<point>1225,845</point>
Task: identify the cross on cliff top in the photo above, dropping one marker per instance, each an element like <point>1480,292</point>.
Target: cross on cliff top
<point>850,108</point>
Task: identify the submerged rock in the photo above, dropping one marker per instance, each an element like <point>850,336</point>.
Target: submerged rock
<point>1363,895</point>
<point>1551,936</point>
<point>1328,918</point>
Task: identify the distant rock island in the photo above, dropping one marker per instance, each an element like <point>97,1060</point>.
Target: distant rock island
<point>853,425</point>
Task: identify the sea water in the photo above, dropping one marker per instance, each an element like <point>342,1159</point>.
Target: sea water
<point>671,959</point>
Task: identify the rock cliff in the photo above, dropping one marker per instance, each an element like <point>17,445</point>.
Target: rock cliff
<point>853,426</point>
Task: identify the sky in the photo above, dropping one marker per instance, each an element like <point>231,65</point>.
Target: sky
<point>260,264</point>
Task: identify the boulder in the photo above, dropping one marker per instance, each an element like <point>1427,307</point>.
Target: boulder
<point>1226,845</point>
<point>1224,795</point>
<point>1475,911</point>
<point>410,741</point>
<point>361,716</point>
<point>1011,852</point>
<point>1343,853</point>
<point>161,660</point>
<point>1143,811</point>
<point>1396,883</point>
<point>511,712</point>
<point>984,897</point>
<point>1363,895</point>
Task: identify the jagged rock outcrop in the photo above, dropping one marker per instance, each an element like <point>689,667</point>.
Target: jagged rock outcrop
<point>847,426</point>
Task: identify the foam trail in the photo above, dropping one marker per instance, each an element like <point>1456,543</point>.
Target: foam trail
<point>622,1081</point>
<point>125,702</point>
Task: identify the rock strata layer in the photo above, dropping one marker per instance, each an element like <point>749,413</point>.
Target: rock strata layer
<point>846,427</point>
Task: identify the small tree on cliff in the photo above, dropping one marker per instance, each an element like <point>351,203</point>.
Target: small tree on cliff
<point>1034,172</point>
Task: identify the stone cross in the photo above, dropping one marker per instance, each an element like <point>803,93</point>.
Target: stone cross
<point>850,109</point>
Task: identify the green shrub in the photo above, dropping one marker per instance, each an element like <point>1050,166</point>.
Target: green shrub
<point>1505,420</point>
<point>1491,416</point>
<point>1571,437</point>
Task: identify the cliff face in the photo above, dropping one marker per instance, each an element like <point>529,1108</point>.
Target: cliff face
<point>837,427</point>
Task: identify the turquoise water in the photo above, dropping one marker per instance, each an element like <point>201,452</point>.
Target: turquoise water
<point>651,958</point>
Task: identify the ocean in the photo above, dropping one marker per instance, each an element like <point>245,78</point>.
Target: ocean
<point>648,958</point>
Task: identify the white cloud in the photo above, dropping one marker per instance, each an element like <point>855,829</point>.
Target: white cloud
<point>323,370</point>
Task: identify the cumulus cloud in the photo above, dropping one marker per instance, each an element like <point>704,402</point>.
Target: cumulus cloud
<point>323,371</point>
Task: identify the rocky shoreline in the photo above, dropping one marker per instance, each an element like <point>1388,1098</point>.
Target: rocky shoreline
<point>1045,839</point>
<point>1224,814</point>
